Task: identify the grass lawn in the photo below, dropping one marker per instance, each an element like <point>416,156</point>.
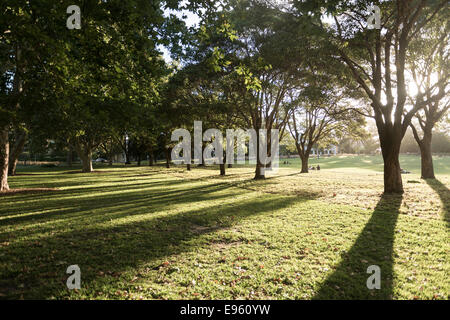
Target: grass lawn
<point>157,233</point>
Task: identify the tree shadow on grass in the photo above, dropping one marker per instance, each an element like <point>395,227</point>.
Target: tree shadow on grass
<point>444,195</point>
<point>100,244</point>
<point>374,246</point>
<point>116,205</point>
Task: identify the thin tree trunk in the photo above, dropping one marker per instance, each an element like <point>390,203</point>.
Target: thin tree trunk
<point>222,169</point>
<point>127,158</point>
<point>222,165</point>
<point>15,152</point>
<point>167,157</point>
<point>4,158</point>
<point>202,164</point>
<point>188,167</point>
<point>69,157</point>
<point>230,166</point>
<point>139,160</point>
<point>150,159</point>
<point>260,168</point>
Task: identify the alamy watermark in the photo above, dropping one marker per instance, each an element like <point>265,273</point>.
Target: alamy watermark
<point>74,280</point>
<point>235,147</point>
<point>374,281</point>
<point>374,20</point>
<point>74,20</point>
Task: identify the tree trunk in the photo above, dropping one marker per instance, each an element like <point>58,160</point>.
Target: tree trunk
<point>425,151</point>
<point>259,172</point>
<point>202,164</point>
<point>139,160</point>
<point>85,154</point>
<point>260,168</point>
<point>305,168</point>
<point>150,159</point>
<point>167,157</point>
<point>16,151</point>
<point>426,157</point>
<point>392,172</point>
<point>230,166</point>
<point>69,157</point>
<point>188,167</point>
<point>390,140</point>
<point>87,162</point>
<point>127,158</point>
<point>4,158</point>
<point>222,165</point>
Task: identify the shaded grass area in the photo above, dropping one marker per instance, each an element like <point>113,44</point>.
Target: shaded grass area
<point>374,246</point>
<point>444,194</point>
<point>156,233</point>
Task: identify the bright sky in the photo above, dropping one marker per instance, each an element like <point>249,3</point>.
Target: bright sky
<point>191,20</point>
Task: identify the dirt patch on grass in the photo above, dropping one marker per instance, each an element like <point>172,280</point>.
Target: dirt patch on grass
<point>28,174</point>
<point>12,192</point>
<point>222,245</point>
<point>140,175</point>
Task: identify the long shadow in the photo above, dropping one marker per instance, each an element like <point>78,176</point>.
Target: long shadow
<point>134,202</point>
<point>88,231</point>
<point>126,186</point>
<point>101,246</point>
<point>444,195</point>
<point>374,246</point>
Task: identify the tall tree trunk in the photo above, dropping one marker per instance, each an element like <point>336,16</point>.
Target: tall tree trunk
<point>426,157</point>
<point>188,167</point>
<point>260,168</point>
<point>305,168</point>
<point>85,154</point>
<point>230,166</point>
<point>4,133</point>
<point>4,158</point>
<point>392,171</point>
<point>391,136</point>
<point>16,151</point>
<point>427,168</point>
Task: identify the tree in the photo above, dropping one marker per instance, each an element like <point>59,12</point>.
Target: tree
<point>83,80</point>
<point>429,65</point>
<point>268,58</point>
<point>114,72</point>
<point>377,59</point>
<point>321,114</point>
<point>30,48</point>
